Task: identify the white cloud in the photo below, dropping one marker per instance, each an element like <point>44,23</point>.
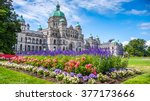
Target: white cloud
<point>125,43</point>
<point>145,25</point>
<point>132,38</point>
<point>137,12</point>
<point>101,6</point>
<point>148,43</point>
<point>38,11</point>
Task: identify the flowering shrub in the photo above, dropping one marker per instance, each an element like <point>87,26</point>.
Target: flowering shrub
<point>40,71</point>
<point>52,74</point>
<point>91,81</point>
<point>6,56</point>
<point>91,51</point>
<point>73,78</point>
<point>59,77</point>
<point>102,78</point>
<point>46,73</point>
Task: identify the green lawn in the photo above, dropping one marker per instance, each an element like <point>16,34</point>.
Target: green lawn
<point>144,65</point>
<point>13,77</point>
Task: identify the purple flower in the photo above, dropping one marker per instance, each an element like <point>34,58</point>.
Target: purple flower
<point>79,75</point>
<point>122,69</point>
<point>85,78</point>
<point>93,76</point>
<point>57,71</point>
<point>72,74</point>
<point>65,73</point>
<point>112,69</point>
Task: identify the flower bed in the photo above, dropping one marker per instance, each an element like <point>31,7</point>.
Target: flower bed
<point>84,64</point>
<point>61,76</point>
<point>91,51</point>
<point>6,56</point>
<point>87,66</point>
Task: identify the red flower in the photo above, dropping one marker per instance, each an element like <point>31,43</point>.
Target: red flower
<point>83,58</point>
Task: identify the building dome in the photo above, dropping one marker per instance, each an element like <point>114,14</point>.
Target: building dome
<point>57,12</point>
<point>77,24</point>
<point>21,19</point>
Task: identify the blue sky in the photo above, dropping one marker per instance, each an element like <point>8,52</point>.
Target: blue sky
<point>122,20</point>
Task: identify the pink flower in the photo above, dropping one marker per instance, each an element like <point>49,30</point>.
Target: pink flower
<point>88,66</point>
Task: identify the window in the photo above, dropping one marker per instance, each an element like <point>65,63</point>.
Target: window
<point>63,48</point>
<point>36,48</point>
<point>54,42</point>
<point>33,40</point>
<point>26,39</point>
<point>32,48</point>
<point>29,40</point>
<point>25,48</point>
<point>40,48</point>
<point>28,47</point>
<point>21,39</point>
<point>20,47</point>
<point>37,41</point>
<point>40,41</point>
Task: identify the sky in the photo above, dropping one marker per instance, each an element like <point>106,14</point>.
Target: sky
<point>122,20</point>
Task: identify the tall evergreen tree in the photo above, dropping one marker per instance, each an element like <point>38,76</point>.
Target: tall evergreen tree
<point>9,25</point>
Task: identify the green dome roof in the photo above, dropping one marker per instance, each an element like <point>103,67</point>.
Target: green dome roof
<point>77,24</point>
<point>40,27</point>
<point>21,19</point>
<point>57,12</point>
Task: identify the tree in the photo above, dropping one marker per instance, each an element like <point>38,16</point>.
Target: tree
<point>148,51</point>
<point>136,47</point>
<point>9,25</point>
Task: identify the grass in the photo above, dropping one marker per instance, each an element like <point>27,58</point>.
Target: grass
<point>144,65</point>
<point>13,77</point>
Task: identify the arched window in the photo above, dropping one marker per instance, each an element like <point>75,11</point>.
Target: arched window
<point>33,40</point>
<point>40,41</point>
<point>20,47</point>
<point>36,48</point>
<point>28,47</point>
<point>37,41</point>
<point>63,48</point>
<point>32,48</point>
<point>54,42</point>
<point>40,48</point>
<point>26,39</point>
<point>29,40</point>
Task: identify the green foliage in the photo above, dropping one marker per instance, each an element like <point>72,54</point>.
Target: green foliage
<point>9,25</point>
<point>70,80</point>
<point>136,47</point>
<point>52,74</point>
<point>91,81</point>
<point>84,64</point>
<point>148,51</point>
<point>81,70</point>
<point>106,63</point>
<point>102,78</point>
<point>59,77</point>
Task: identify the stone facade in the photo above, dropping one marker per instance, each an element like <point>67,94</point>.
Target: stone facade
<point>114,47</point>
<point>57,36</point>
